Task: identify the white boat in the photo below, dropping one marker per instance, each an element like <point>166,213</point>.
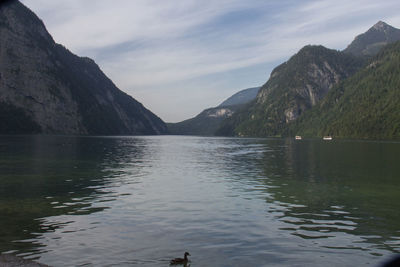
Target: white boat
<point>328,137</point>
<point>298,137</point>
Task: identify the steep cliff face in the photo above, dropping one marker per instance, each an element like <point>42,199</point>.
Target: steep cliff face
<point>45,86</point>
<point>370,42</point>
<point>294,87</point>
<point>299,85</point>
<point>27,82</point>
<point>366,105</point>
<point>305,79</point>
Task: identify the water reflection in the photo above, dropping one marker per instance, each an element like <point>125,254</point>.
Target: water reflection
<point>43,177</point>
<point>343,192</point>
<point>112,201</point>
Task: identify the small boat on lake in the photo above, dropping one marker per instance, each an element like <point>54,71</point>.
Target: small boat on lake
<point>328,137</point>
<point>297,137</point>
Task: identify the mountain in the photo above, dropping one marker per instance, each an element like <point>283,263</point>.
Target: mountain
<point>205,124</point>
<point>44,88</point>
<point>367,105</point>
<point>370,42</point>
<point>241,97</point>
<point>302,96</point>
<point>209,120</point>
<point>294,87</point>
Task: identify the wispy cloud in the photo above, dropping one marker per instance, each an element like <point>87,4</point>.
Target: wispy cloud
<point>187,55</point>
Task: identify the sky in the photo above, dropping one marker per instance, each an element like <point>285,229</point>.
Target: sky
<point>178,57</point>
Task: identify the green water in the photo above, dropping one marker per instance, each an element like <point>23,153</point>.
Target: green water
<point>123,201</point>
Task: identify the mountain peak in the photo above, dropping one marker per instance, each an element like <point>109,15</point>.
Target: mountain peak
<point>46,89</point>
<point>380,25</point>
<point>241,98</point>
<point>370,42</point>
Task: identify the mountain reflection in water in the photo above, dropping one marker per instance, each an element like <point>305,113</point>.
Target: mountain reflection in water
<point>323,190</point>
<point>53,176</point>
<point>108,201</point>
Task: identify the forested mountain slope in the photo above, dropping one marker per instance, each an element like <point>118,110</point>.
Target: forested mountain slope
<point>44,88</point>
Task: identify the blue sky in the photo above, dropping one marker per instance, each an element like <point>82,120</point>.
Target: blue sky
<point>179,57</point>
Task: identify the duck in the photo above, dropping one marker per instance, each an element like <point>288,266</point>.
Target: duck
<point>185,259</point>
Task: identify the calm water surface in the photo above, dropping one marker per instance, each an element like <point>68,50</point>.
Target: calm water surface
<point>126,201</point>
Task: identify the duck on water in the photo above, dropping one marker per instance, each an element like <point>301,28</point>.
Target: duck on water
<point>183,260</point>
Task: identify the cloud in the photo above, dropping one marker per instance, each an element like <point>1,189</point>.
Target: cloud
<point>171,53</point>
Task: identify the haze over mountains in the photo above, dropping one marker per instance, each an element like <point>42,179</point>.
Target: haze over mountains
<point>292,100</point>
<point>241,97</point>
<point>47,89</point>
<point>209,120</point>
<point>294,87</point>
<point>318,91</point>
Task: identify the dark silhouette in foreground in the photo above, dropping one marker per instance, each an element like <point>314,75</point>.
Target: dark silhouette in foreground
<point>183,261</point>
<point>394,262</point>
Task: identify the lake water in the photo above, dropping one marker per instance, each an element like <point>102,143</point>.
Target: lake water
<point>126,201</point>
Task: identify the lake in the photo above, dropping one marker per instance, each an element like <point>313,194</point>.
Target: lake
<point>126,201</point>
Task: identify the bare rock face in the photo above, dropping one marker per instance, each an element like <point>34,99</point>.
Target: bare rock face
<point>219,113</point>
<point>27,81</point>
<point>45,86</point>
<point>305,79</point>
<point>295,87</point>
<point>370,42</point>
<point>365,106</point>
<point>301,83</point>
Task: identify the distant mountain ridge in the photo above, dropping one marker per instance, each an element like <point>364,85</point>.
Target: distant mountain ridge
<point>209,120</point>
<point>299,90</point>
<point>241,97</point>
<point>44,88</point>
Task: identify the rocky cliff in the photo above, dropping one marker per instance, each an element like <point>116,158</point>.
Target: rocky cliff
<point>294,87</point>
<point>366,105</point>
<point>300,84</point>
<point>44,88</point>
<point>370,42</point>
